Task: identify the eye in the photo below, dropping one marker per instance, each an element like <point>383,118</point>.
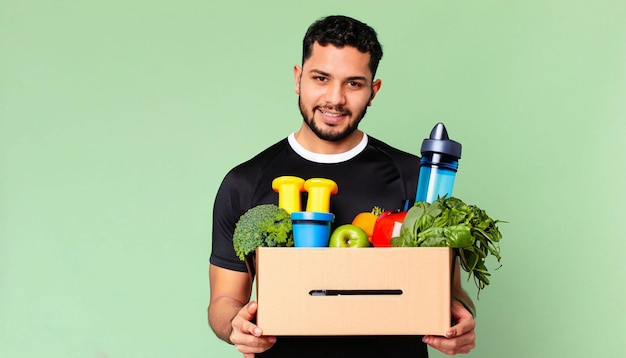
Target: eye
<point>355,84</point>
<point>320,78</point>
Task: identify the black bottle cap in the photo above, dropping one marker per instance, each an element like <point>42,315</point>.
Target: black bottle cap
<point>440,143</point>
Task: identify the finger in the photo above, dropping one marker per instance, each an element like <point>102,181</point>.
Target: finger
<point>255,345</point>
<point>246,336</point>
<point>450,346</point>
<point>459,311</point>
<point>462,333</point>
<point>458,339</point>
<point>464,320</point>
<point>250,309</point>
<point>461,328</point>
<point>251,328</point>
<point>243,321</point>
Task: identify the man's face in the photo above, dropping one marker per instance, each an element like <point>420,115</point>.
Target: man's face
<point>335,87</point>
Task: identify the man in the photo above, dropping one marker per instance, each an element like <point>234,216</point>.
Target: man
<point>335,84</point>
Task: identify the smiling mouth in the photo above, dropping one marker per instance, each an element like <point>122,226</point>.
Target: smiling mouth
<point>333,113</point>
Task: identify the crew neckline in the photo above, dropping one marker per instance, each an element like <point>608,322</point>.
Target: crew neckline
<point>327,158</point>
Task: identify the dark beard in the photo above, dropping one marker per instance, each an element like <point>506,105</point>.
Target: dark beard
<point>330,136</point>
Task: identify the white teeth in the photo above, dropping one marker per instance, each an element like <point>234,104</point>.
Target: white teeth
<point>332,114</point>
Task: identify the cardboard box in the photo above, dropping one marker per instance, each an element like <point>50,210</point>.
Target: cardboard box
<point>369,291</point>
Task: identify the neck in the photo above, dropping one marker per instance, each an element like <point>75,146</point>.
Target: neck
<point>311,142</point>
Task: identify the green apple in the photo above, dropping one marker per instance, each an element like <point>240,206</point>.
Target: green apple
<point>348,235</point>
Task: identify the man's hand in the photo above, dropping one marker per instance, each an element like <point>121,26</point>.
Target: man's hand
<point>246,336</point>
<point>461,337</point>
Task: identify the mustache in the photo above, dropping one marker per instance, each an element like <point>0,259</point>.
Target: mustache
<point>339,109</point>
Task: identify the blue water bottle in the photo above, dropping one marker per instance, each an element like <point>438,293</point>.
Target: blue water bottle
<point>438,166</point>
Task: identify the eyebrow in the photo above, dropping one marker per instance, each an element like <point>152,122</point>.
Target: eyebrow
<point>351,78</point>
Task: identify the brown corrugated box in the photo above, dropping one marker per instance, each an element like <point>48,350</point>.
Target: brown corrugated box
<point>364,286</point>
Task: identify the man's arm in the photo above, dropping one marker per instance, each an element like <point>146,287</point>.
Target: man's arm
<point>230,291</point>
<point>230,313</point>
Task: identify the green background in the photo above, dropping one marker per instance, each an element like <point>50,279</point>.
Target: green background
<point>118,120</point>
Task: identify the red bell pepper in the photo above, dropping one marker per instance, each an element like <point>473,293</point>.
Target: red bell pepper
<point>387,226</point>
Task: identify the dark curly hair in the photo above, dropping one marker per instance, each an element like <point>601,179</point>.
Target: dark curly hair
<point>343,31</point>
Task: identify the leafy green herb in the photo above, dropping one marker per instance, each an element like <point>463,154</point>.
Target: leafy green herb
<point>449,222</point>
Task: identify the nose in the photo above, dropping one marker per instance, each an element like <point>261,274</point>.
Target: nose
<point>335,94</point>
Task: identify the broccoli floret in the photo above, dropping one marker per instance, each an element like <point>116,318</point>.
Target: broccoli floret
<point>262,225</point>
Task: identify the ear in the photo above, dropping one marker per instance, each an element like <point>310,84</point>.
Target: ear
<point>375,88</point>
<point>297,75</point>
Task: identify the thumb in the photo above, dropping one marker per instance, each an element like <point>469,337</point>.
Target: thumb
<point>250,310</point>
<point>463,318</point>
<point>252,307</point>
<point>458,311</point>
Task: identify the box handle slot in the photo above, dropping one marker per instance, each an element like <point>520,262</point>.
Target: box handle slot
<point>361,292</point>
